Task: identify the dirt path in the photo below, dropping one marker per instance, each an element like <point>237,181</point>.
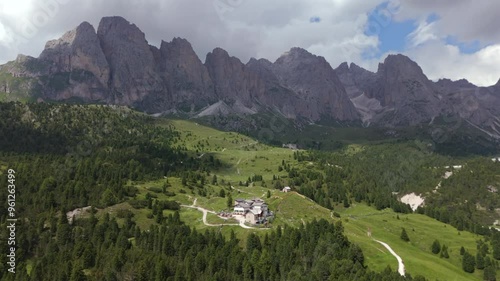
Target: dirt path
<point>205,212</point>
<point>401,265</point>
<point>242,224</point>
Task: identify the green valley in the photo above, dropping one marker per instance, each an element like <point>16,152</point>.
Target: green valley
<point>150,186</point>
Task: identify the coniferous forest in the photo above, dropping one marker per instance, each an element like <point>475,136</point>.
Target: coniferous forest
<point>72,156</point>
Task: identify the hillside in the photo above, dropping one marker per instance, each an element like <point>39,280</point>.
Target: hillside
<point>139,178</point>
<point>244,158</point>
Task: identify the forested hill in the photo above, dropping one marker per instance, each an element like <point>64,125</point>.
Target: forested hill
<point>69,156</point>
<point>73,156</point>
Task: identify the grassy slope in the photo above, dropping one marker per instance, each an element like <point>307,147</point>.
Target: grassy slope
<point>416,254</point>
<point>244,155</point>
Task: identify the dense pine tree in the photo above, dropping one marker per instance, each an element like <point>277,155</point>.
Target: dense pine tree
<point>468,262</point>
<point>404,235</point>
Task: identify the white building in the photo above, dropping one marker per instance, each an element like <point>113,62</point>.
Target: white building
<point>255,211</point>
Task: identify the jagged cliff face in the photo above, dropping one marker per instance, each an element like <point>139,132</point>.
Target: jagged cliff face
<point>116,65</point>
<point>399,94</point>
<point>131,61</point>
<point>78,49</point>
<point>314,81</point>
<point>75,66</point>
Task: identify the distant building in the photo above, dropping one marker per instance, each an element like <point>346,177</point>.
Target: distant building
<point>286,189</point>
<point>255,211</point>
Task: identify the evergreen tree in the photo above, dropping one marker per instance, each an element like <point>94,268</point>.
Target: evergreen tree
<point>230,201</point>
<point>63,233</point>
<point>489,273</point>
<point>222,193</point>
<point>404,235</point>
<point>479,261</point>
<point>468,262</point>
<point>346,203</point>
<point>436,247</point>
<point>495,243</point>
<point>444,252</point>
<point>462,250</point>
<point>268,194</point>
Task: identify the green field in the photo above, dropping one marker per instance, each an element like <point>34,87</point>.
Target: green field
<point>416,254</point>
<point>244,157</point>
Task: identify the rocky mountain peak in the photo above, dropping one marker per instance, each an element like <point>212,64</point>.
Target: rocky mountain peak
<point>342,68</point>
<point>78,49</point>
<point>131,60</point>
<point>185,74</point>
<point>180,49</point>
<point>314,79</point>
<point>259,63</point>
<point>400,65</point>
<point>298,55</point>
<point>218,53</point>
<point>84,30</point>
<point>230,77</point>
<point>450,84</point>
<point>118,26</point>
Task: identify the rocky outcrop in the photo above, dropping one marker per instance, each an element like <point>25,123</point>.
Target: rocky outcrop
<point>185,74</point>
<point>231,79</point>
<point>398,94</point>
<point>75,66</point>
<point>130,59</point>
<point>78,49</point>
<point>277,96</point>
<point>315,82</point>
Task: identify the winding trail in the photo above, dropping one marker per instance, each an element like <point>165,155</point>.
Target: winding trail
<point>401,267</point>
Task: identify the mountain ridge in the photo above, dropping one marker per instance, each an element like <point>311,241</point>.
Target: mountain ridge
<point>115,64</point>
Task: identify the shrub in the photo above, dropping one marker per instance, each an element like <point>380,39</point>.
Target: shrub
<point>124,213</point>
<point>436,247</point>
<point>138,204</point>
<point>155,189</point>
<point>171,193</point>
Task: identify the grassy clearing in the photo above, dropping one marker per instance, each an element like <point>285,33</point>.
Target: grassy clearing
<point>416,254</point>
<point>244,157</point>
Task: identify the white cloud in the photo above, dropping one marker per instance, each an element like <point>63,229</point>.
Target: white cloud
<point>467,21</point>
<point>425,32</point>
<point>440,60</point>
<point>245,28</point>
<point>464,19</point>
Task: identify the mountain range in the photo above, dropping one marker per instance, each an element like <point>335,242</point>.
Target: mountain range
<point>116,65</point>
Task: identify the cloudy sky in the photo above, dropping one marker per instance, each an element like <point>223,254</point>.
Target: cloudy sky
<point>447,38</point>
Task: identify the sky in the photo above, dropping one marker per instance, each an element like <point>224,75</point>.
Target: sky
<point>452,39</point>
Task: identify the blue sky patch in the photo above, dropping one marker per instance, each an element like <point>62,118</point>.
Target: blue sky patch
<point>464,47</point>
<point>433,17</point>
<point>315,19</point>
<point>392,34</point>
